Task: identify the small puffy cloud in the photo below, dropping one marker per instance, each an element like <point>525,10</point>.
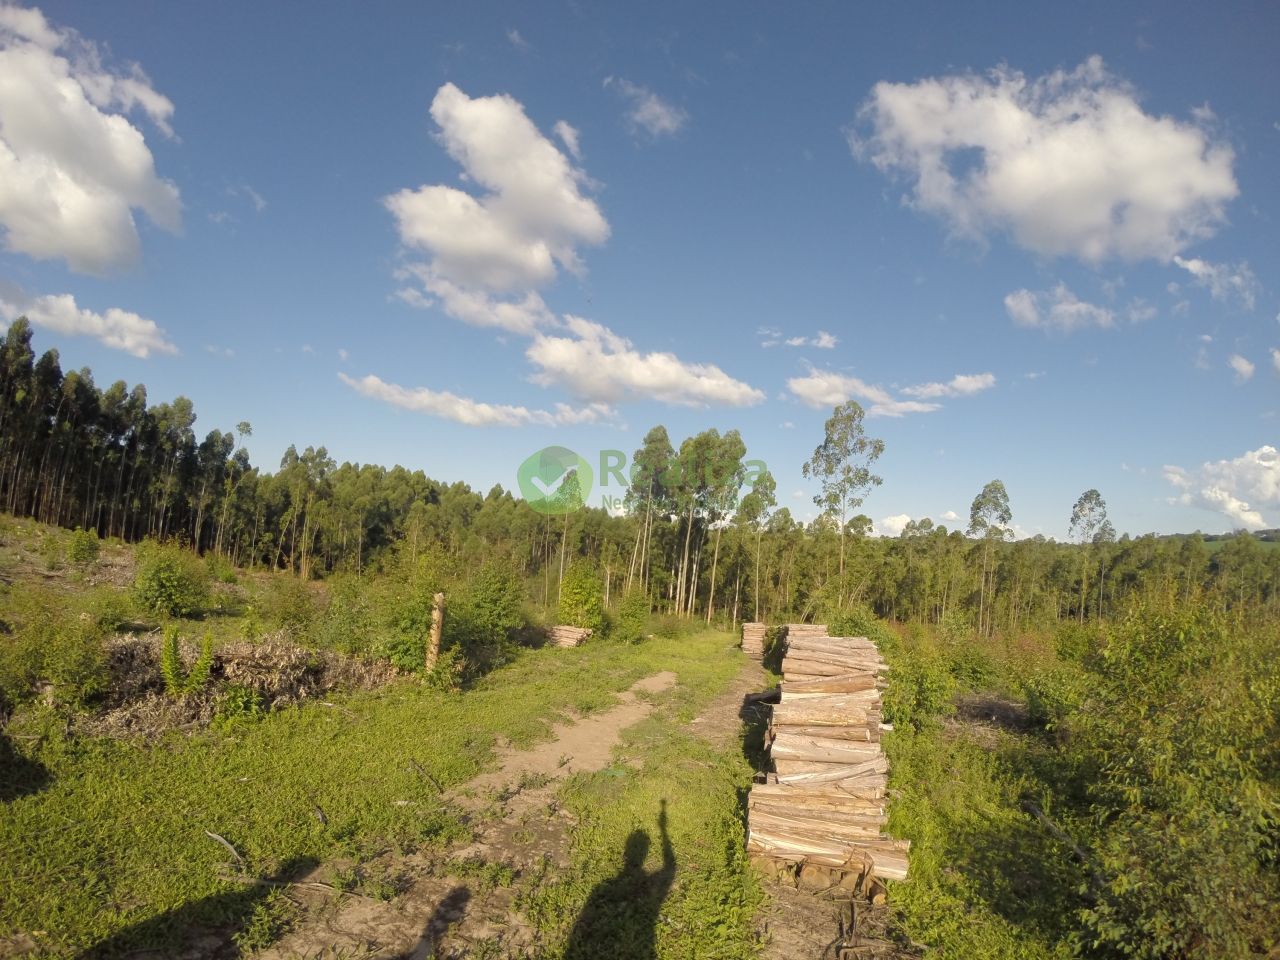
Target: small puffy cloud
<point>1275,358</point>
<point>471,413</point>
<point>821,340</point>
<point>1239,489</point>
<point>73,168</point>
<point>116,328</point>
<point>1224,281</point>
<point>1243,368</point>
<point>224,352</point>
<point>595,363</point>
<point>476,307</point>
<point>1056,309</point>
<point>825,388</point>
<point>516,40</point>
<point>892,526</point>
<point>647,111</point>
<point>962,384</point>
<point>570,137</point>
<point>950,516</point>
<point>1068,164</point>
<point>530,220</point>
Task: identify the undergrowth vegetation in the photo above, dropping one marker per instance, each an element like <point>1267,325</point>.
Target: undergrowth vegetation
<point>1105,791</point>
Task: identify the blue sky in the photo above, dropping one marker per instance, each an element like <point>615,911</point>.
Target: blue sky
<point>1037,242</point>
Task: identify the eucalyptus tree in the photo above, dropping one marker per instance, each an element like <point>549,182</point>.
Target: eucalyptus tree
<point>842,465</point>
<point>989,519</point>
<point>1091,528</point>
<point>648,493</point>
<point>754,512</point>
<point>724,483</point>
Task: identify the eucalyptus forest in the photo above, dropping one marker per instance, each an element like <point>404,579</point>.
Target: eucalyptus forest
<point>1085,745</point>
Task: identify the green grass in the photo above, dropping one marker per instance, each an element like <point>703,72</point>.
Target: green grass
<point>604,907</point>
<point>116,846</point>
<point>986,882</point>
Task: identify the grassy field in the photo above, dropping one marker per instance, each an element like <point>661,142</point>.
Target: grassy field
<point>117,840</point>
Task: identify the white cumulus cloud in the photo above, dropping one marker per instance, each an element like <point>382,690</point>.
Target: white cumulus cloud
<point>73,168</point>
<point>570,137</point>
<point>528,222</point>
<point>1056,309</point>
<point>115,328</point>
<point>472,413</point>
<point>1275,358</point>
<point>647,111</point>
<point>827,388</point>
<point>892,526</point>
<point>962,384</point>
<point>597,364</point>
<point>1243,368</point>
<point>1239,489</point>
<point>1068,164</point>
<point>474,306</point>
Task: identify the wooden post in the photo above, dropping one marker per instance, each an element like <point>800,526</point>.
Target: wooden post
<point>437,628</point>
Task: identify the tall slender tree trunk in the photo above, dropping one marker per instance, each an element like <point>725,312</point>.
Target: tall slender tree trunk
<point>711,592</point>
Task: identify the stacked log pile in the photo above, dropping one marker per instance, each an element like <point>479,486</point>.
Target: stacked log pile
<point>753,640</point>
<point>824,804</point>
<point>566,636</point>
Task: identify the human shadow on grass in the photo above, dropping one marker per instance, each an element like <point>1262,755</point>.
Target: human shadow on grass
<point>204,928</point>
<point>620,918</point>
<point>450,909</point>
<point>19,775</point>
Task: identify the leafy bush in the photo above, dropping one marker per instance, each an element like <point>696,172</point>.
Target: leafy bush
<point>921,688</point>
<point>1055,694</point>
<point>170,581</point>
<point>220,568</point>
<point>48,641</point>
<point>482,615</point>
<point>582,596</point>
<point>632,617</point>
<point>83,547</point>
<point>179,681</point>
<point>238,704</point>
<point>1183,729</point>
<point>289,603</point>
<point>348,623</point>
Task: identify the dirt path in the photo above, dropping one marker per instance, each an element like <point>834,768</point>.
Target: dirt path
<point>451,904</point>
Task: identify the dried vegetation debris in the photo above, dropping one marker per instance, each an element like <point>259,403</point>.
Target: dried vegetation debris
<point>275,672</point>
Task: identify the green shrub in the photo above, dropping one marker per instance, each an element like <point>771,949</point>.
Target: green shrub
<point>238,704</point>
<point>1182,726</point>
<point>289,603</point>
<point>1055,694</point>
<point>582,596</point>
<point>921,688</point>
<point>83,547</point>
<point>632,617</point>
<point>177,680</point>
<point>348,623</point>
<point>220,568</point>
<point>48,641</point>
<point>170,581</point>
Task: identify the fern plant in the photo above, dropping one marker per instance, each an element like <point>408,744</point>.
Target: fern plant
<point>177,681</point>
